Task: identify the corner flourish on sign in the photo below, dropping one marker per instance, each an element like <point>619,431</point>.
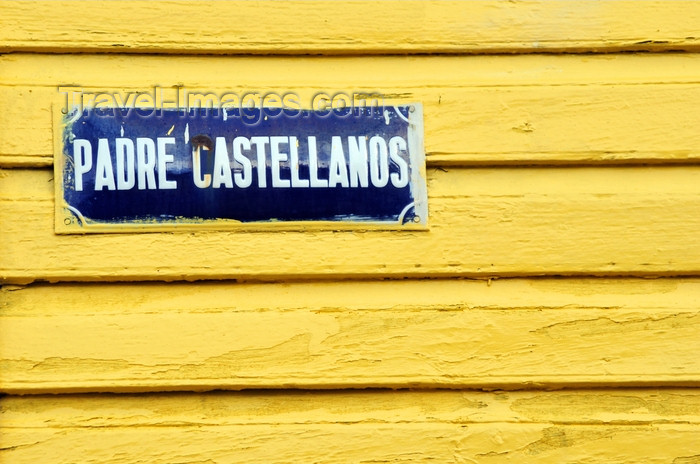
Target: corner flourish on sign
<point>77,214</point>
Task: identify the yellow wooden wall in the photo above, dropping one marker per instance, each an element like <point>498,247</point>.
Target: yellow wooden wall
<point>551,313</point>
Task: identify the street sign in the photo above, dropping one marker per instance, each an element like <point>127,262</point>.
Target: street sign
<point>144,169</point>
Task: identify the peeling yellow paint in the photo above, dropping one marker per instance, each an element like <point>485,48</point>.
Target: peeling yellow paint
<point>448,333</point>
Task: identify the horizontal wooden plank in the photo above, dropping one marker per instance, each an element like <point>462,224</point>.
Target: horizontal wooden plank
<point>478,110</point>
<point>339,443</point>
<point>482,223</point>
<point>625,426</point>
<point>349,26</point>
<point>455,334</point>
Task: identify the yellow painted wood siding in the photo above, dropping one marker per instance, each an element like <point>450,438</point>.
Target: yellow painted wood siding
<point>513,333</point>
<point>317,27</point>
<point>541,109</point>
<point>598,426</point>
<point>550,313</point>
<point>483,223</point>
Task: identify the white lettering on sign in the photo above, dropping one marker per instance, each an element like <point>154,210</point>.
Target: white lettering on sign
<point>165,158</point>
<point>354,162</point>
<point>146,163</point>
<point>313,165</point>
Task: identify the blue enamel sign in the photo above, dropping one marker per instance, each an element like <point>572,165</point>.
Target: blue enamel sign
<point>145,169</point>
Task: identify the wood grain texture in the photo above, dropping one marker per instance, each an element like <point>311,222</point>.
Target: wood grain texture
<point>482,223</point>
<point>504,334</point>
<point>621,426</point>
<point>478,110</point>
<point>349,27</point>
